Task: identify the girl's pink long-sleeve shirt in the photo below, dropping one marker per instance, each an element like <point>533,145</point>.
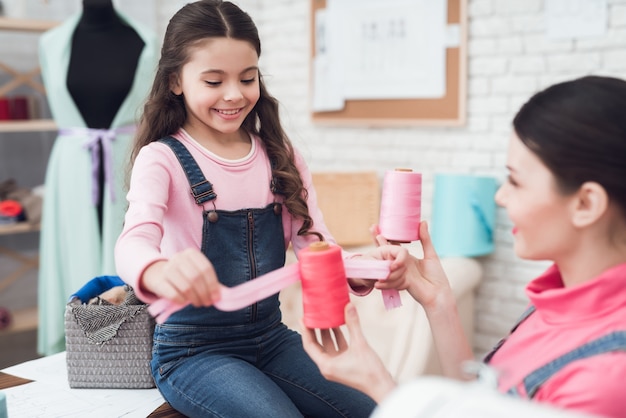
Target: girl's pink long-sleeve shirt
<point>163,218</point>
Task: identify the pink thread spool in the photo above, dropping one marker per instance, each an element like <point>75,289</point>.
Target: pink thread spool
<point>401,206</point>
<point>324,286</point>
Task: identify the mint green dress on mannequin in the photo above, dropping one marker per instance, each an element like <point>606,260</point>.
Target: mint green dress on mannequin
<point>77,241</point>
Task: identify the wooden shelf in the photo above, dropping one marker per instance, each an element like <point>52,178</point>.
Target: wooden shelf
<point>18,78</point>
<point>32,125</point>
<point>21,320</point>
<point>26,25</point>
<point>19,228</point>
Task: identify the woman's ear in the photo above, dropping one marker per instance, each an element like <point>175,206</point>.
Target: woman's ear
<point>175,86</point>
<point>591,204</point>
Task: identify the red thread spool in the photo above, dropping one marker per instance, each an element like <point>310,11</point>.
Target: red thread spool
<point>324,286</point>
<point>401,205</point>
<point>5,109</point>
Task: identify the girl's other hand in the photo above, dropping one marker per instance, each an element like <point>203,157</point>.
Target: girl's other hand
<point>400,262</point>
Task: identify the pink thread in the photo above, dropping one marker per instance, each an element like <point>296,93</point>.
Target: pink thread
<point>401,206</point>
<point>400,213</point>
<point>238,297</point>
<point>324,286</point>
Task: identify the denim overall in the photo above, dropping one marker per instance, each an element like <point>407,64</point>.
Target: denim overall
<point>614,341</point>
<point>246,363</point>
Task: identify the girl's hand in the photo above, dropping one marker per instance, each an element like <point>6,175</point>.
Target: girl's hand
<point>400,263</point>
<point>424,278</point>
<point>355,365</point>
<point>187,277</point>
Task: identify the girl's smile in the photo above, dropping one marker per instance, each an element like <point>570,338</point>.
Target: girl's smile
<point>229,114</point>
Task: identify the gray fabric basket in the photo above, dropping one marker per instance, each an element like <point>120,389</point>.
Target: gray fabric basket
<point>109,346</point>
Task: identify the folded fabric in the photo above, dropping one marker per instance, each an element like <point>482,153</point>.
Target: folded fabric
<point>96,286</point>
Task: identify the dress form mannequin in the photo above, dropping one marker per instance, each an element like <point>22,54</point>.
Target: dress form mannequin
<point>96,104</point>
<point>104,56</point>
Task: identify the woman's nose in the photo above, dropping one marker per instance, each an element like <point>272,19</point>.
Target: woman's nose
<point>501,195</point>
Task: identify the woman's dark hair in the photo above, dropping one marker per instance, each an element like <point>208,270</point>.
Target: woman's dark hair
<point>164,112</point>
<point>578,130</point>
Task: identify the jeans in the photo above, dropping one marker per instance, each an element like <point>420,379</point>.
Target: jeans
<point>264,375</point>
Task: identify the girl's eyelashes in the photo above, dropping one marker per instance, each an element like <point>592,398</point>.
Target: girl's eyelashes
<point>511,180</point>
<point>217,83</point>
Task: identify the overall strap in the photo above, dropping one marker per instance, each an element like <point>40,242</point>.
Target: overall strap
<point>521,319</point>
<point>201,188</point>
<point>615,341</point>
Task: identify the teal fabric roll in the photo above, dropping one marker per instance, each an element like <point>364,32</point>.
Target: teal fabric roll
<point>3,406</point>
<point>464,212</point>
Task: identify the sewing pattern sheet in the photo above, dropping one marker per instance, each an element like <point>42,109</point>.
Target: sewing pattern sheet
<point>387,50</point>
<point>51,396</point>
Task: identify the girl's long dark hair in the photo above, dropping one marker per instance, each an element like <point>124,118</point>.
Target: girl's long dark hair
<point>164,112</point>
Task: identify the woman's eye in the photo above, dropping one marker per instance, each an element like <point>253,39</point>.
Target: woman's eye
<point>511,181</point>
<point>249,80</point>
<point>213,83</point>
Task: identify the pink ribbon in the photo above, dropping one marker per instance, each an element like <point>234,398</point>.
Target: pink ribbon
<point>238,297</point>
<point>106,138</point>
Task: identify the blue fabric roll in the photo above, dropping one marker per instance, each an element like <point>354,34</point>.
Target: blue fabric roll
<point>464,212</point>
<point>97,286</point>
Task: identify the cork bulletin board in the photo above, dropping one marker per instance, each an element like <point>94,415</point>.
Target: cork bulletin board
<point>446,110</point>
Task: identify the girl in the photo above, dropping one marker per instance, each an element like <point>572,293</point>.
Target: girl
<point>217,191</point>
<point>566,196</point>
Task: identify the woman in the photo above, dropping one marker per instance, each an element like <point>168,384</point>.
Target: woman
<point>566,197</point>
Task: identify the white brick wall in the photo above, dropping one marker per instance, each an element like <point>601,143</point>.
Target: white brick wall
<point>510,58</point>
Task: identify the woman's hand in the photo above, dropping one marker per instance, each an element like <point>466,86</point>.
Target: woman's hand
<point>355,364</point>
<point>429,285</point>
<point>428,279</point>
<point>188,277</point>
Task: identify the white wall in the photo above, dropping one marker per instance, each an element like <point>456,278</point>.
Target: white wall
<point>510,58</point>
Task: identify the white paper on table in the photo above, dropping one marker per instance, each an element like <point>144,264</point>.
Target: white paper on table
<point>51,396</point>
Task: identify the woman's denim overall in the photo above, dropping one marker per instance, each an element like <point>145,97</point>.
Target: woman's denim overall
<point>614,341</point>
<point>246,363</point>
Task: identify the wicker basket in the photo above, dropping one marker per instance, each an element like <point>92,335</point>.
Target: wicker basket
<point>114,353</point>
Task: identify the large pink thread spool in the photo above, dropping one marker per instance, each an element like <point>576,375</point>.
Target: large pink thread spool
<point>324,286</point>
<point>401,206</point>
